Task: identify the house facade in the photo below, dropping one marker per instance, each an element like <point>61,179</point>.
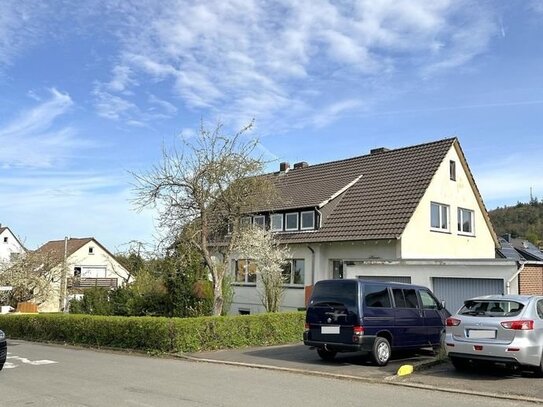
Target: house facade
<point>82,263</point>
<point>10,246</point>
<point>411,214</point>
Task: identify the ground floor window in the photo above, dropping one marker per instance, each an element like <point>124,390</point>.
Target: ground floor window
<point>244,271</point>
<point>294,272</point>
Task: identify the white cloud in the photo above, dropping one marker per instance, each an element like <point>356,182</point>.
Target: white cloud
<point>33,140</point>
<point>243,57</point>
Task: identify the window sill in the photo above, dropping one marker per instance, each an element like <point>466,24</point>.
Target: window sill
<point>465,234</point>
<point>295,286</point>
<point>446,232</point>
<point>238,284</point>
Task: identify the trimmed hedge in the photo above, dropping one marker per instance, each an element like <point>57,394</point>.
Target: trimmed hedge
<point>155,334</point>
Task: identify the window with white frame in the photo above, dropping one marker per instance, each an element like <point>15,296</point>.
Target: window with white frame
<point>465,221</point>
<point>260,221</point>
<point>294,272</point>
<point>439,217</point>
<point>245,221</point>
<point>244,271</point>
<point>452,170</point>
<point>276,222</point>
<point>291,221</point>
<point>307,220</point>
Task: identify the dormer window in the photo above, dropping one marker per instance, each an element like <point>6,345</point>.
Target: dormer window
<point>276,222</point>
<point>260,221</point>
<point>308,220</point>
<point>291,220</point>
<point>452,170</point>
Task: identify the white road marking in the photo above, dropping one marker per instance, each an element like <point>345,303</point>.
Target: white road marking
<point>12,358</point>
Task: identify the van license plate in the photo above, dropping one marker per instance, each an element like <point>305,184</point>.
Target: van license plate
<point>482,333</point>
<point>329,329</point>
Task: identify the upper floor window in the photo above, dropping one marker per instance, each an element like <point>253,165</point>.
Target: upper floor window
<point>276,222</point>
<point>291,220</point>
<point>5,239</point>
<point>452,170</point>
<point>308,220</point>
<point>439,217</point>
<point>465,221</point>
<point>91,250</point>
<point>294,272</point>
<point>260,221</point>
<point>244,271</point>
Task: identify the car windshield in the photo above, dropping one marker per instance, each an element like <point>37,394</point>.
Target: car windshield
<point>491,308</point>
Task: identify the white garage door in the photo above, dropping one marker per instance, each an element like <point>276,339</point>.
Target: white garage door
<point>455,290</point>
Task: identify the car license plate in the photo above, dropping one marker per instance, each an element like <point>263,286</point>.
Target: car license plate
<point>482,333</point>
<point>330,329</point>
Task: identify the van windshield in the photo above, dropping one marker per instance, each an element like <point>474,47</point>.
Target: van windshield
<point>491,308</point>
<point>337,292</point>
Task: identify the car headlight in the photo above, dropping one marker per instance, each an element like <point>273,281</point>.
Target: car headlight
<point>2,335</point>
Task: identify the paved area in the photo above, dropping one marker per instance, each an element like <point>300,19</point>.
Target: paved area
<point>429,373</point>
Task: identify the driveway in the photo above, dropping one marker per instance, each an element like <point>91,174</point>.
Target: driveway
<point>429,373</point>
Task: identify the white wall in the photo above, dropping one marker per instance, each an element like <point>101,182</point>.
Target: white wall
<point>419,242</point>
<point>11,246</point>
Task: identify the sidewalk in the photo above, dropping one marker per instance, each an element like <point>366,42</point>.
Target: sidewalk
<point>429,373</point>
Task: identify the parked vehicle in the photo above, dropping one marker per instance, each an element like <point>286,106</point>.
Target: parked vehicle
<point>3,349</point>
<point>374,317</point>
<point>505,329</point>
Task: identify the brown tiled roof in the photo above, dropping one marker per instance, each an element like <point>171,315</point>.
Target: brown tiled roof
<point>2,229</point>
<point>54,249</point>
<point>377,206</point>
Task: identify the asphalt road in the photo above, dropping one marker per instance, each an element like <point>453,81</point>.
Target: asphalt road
<point>46,375</point>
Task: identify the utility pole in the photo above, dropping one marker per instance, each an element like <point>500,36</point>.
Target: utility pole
<point>63,278</point>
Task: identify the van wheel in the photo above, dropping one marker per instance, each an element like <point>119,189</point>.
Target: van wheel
<point>381,351</point>
<point>327,355</point>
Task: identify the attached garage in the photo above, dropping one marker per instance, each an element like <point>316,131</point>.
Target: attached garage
<point>455,290</point>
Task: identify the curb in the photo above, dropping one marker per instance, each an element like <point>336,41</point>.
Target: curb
<point>389,380</point>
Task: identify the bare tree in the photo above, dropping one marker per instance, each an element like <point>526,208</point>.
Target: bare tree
<point>269,256</point>
<point>33,276</point>
<point>200,191</point>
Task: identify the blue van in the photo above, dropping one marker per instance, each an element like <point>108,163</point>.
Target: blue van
<point>374,317</point>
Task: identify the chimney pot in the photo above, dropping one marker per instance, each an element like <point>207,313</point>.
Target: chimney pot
<point>284,166</point>
<point>301,164</point>
<point>379,150</point>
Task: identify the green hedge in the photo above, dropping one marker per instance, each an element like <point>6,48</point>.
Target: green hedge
<point>154,334</point>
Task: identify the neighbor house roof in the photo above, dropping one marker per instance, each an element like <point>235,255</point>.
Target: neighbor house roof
<point>54,249</point>
<point>4,228</point>
<point>374,195</point>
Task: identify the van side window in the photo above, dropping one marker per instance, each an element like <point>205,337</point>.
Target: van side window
<point>377,296</point>
<point>428,301</point>
<point>399,299</point>
<point>411,298</point>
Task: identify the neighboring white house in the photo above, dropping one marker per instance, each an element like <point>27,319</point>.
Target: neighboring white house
<point>87,264</point>
<point>10,246</point>
<point>411,214</point>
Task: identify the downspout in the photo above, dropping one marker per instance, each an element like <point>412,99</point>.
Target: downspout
<point>312,265</point>
<point>508,284</point>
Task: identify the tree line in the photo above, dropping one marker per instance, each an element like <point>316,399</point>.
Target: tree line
<point>523,220</point>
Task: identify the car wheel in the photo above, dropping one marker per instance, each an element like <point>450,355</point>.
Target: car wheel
<point>327,355</point>
<point>381,351</point>
<point>460,364</point>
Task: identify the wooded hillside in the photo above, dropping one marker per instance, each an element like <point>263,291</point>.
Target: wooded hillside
<point>524,220</point>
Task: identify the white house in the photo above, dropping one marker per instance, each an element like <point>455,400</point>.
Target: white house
<point>86,263</point>
<point>411,214</point>
<point>10,246</point>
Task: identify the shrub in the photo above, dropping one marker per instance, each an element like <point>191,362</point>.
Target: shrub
<point>157,334</point>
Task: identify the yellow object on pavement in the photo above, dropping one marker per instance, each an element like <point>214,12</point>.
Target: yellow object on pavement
<point>405,370</point>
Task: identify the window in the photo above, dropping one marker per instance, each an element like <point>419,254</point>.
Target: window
<point>244,271</point>
<point>5,239</point>
<point>294,272</point>
<point>540,309</point>
<point>91,250</point>
<point>428,300</point>
<point>276,222</point>
<point>244,311</point>
<point>308,220</point>
<point>260,221</point>
<point>399,299</point>
<point>77,272</point>
<point>439,217</point>
<point>465,221</point>
<point>411,300</point>
<point>452,170</point>
<point>377,296</point>
<point>246,221</point>
<point>337,269</point>
<point>291,221</point>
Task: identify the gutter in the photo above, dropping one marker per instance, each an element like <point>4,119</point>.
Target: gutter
<point>508,284</point>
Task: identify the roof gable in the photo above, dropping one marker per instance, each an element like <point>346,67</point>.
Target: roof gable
<point>56,249</point>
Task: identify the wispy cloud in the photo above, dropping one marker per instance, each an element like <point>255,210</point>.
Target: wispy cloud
<point>33,139</point>
<point>242,58</point>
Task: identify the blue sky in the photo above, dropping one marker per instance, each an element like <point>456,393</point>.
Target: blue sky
<point>90,91</point>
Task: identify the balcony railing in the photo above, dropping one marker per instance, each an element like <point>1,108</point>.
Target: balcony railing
<point>88,282</point>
